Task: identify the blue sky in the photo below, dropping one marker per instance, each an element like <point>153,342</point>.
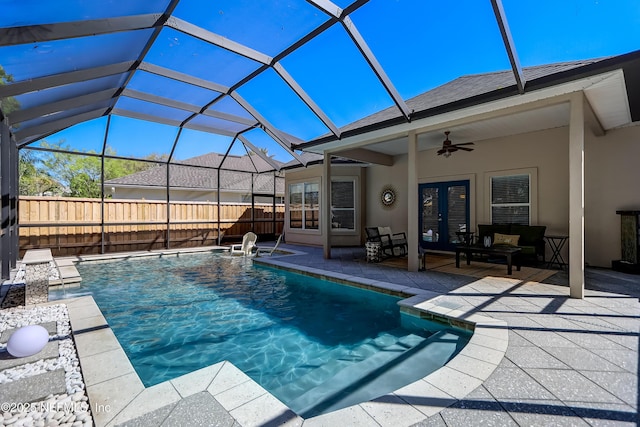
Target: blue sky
<point>421,44</point>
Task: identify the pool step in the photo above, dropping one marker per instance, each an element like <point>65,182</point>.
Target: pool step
<point>402,363</point>
<point>70,275</point>
<point>332,364</point>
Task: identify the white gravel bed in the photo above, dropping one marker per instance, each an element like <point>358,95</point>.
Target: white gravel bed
<point>53,273</point>
<point>69,409</point>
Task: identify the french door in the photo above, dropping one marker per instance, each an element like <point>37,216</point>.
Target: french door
<point>444,211</point>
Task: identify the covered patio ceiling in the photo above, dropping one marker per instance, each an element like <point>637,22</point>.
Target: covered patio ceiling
<point>280,76</point>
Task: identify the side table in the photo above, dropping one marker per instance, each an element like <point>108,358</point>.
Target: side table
<point>465,237</point>
<point>422,256</point>
<point>374,251</point>
<point>556,243</point>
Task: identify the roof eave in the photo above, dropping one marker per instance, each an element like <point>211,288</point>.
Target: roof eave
<point>629,63</point>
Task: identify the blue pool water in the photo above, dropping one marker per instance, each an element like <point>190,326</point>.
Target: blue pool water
<point>314,344</point>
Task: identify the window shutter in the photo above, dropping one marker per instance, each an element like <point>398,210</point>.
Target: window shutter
<point>510,189</point>
<point>343,205</point>
<point>510,199</point>
<point>342,194</point>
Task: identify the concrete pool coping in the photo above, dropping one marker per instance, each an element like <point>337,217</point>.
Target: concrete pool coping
<point>117,394</point>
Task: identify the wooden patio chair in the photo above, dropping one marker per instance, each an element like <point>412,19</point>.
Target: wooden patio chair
<point>388,241</point>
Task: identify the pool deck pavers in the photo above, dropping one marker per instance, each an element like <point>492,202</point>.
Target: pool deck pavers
<point>537,357</point>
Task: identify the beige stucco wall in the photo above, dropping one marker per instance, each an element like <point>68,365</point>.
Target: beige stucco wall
<point>544,154</point>
<point>612,177</point>
<point>338,237</point>
<point>612,165</point>
<point>612,174</point>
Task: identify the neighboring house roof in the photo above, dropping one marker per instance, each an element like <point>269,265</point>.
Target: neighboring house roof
<point>252,163</point>
<point>475,89</point>
<point>204,175</point>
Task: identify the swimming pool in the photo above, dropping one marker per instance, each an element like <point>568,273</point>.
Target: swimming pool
<point>316,345</point>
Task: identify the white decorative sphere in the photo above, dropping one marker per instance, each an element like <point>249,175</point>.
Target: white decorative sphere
<point>27,341</point>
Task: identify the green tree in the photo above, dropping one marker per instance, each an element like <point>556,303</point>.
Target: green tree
<point>33,177</point>
<point>76,172</point>
<point>9,104</point>
<point>81,174</point>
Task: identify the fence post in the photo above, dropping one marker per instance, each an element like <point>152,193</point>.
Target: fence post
<point>218,203</point>
<point>168,241</point>
<point>253,207</point>
<point>104,148</point>
<point>101,205</point>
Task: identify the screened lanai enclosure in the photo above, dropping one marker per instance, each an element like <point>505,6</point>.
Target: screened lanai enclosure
<point>159,123</point>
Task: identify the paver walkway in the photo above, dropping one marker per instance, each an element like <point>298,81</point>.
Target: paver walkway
<point>569,362</point>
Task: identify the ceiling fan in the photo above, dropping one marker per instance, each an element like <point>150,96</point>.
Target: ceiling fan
<point>448,147</point>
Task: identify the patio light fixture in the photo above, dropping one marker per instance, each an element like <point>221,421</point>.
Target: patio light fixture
<point>448,147</point>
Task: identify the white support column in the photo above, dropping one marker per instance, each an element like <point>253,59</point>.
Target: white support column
<point>325,211</point>
<point>412,202</point>
<point>576,197</point>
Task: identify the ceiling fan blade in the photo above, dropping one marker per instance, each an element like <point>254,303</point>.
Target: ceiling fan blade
<point>448,147</point>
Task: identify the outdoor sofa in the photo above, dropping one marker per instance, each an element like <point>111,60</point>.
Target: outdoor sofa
<point>530,238</point>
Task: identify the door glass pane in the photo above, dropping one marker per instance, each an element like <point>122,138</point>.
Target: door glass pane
<point>430,215</point>
<point>457,211</point>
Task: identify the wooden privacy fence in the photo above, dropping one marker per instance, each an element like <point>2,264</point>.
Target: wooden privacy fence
<point>73,226</point>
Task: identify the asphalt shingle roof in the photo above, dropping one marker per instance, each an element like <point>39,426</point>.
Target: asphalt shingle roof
<point>206,178</point>
<point>466,87</point>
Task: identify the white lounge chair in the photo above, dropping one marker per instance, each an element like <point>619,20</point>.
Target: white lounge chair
<point>248,245</point>
<point>269,250</point>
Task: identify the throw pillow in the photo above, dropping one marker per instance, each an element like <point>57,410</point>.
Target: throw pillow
<point>506,239</point>
<point>384,231</point>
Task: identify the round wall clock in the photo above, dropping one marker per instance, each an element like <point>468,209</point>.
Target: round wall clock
<point>388,196</point>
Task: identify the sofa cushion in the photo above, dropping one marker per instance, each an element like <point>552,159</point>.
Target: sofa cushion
<point>530,235</point>
<point>528,250</point>
<point>506,239</point>
<point>385,230</point>
<point>490,230</point>
<point>385,234</point>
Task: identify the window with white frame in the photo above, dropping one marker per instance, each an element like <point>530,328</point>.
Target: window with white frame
<point>511,199</point>
<point>343,204</point>
<point>304,205</point>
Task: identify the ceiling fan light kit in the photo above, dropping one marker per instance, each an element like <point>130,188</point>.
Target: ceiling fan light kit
<point>448,147</point>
